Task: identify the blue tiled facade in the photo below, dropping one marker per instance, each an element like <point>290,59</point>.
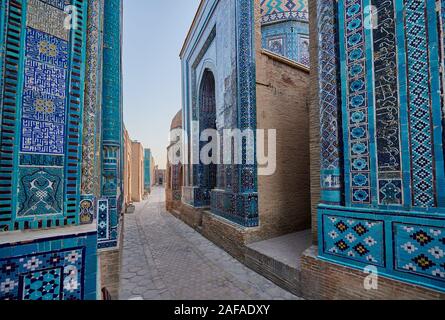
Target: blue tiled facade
<point>51,90</point>
<point>228,24</point>
<point>112,128</point>
<point>289,39</point>
<point>60,268</point>
<point>382,146</point>
<point>147,170</point>
<point>285,29</point>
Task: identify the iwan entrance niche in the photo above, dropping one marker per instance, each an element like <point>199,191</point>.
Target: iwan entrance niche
<point>207,122</point>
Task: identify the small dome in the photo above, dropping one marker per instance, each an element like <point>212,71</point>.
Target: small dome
<point>177,121</point>
<point>282,10</point>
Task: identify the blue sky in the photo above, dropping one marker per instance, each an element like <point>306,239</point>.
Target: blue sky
<point>154,32</point>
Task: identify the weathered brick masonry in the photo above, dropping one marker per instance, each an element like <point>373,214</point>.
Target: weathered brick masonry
<point>110,262</point>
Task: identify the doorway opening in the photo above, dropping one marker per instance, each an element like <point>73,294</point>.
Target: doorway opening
<point>207,120</point>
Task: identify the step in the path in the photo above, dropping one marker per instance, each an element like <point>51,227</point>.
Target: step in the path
<point>278,259</point>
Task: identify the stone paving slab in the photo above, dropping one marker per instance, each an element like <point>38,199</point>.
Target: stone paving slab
<point>164,259</point>
<point>286,249</point>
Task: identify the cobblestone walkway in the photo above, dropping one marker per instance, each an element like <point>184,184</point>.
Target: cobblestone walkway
<point>165,259</point>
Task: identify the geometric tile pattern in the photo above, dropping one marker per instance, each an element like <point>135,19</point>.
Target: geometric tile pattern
<point>405,247</point>
<point>276,45</point>
<point>75,105</point>
<point>43,122</point>
<point>53,268</point>
<point>111,148</point>
<point>246,174</point>
<point>44,94</point>
<point>103,220</point>
<point>42,137</point>
<point>91,126</point>
<point>442,16</point>
<point>303,50</point>
<point>327,61</point>
<point>55,275</point>
<point>278,10</point>
<point>239,201</point>
<point>12,34</point>
<point>46,48</point>
<point>387,105</point>
<point>57,3</point>
<point>422,162</point>
<point>420,250</point>
<point>194,195</point>
<point>42,285</point>
<point>47,18</point>
<point>289,39</point>
<point>328,102</point>
<point>390,191</point>
<point>32,159</point>
<point>357,119</point>
<point>388,94</point>
<point>354,239</point>
<point>239,208</point>
<point>39,176</point>
<point>392,126</point>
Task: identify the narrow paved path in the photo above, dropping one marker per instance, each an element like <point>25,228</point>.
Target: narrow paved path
<point>165,259</point>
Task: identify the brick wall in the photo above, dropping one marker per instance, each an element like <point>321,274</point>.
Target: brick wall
<point>109,271</point>
<point>127,169</point>
<point>137,171</point>
<point>224,234</point>
<point>110,266</point>
<point>190,215</point>
<point>282,86</point>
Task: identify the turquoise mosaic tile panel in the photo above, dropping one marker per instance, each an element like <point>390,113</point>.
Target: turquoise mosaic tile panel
<point>40,191</point>
<point>355,239</point>
<point>278,10</point>
<point>420,250</point>
<point>60,268</point>
<point>289,39</point>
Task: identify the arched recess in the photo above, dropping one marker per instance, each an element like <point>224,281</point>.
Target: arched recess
<point>207,120</point>
<point>180,179</point>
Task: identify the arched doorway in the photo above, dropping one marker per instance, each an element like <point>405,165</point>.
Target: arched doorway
<point>180,182</point>
<point>207,120</point>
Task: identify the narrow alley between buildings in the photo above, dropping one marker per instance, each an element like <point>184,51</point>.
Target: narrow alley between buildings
<point>165,259</point>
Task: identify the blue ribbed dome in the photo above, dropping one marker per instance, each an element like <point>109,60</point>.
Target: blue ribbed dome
<point>279,10</point>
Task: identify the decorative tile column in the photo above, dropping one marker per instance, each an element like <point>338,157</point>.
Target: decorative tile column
<point>108,219</point>
<point>2,47</point>
<point>329,104</point>
<point>388,83</point>
<point>238,201</point>
<point>93,101</point>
